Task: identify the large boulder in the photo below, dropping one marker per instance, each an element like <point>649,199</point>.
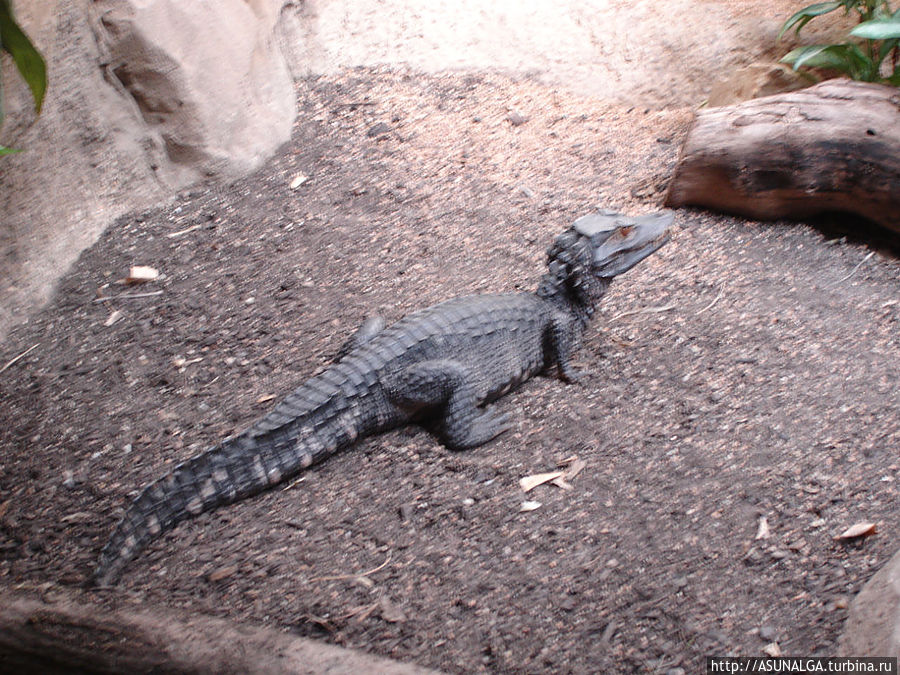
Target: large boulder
<point>206,76</point>
<point>873,626</point>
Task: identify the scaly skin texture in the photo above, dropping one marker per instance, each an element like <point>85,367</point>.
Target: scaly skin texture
<point>436,366</point>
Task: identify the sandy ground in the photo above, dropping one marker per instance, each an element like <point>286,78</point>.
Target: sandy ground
<point>662,54</point>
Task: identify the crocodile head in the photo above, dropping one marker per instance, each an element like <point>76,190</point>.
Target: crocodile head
<point>583,260</point>
<point>617,243</point>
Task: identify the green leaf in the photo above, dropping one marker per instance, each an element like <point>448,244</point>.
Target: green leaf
<point>7,151</point>
<point>879,29</point>
<point>886,48</point>
<point>847,58</point>
<point>27,59</point>
<point>805,15</point>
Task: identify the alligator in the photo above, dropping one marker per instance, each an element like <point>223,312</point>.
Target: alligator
<point>437,367</point>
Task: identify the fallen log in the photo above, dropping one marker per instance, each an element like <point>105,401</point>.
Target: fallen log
<point>831,147</point>
<point>72,636</point>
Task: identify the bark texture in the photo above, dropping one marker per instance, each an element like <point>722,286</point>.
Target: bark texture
<point>831,147</point>
<point>71,637</point>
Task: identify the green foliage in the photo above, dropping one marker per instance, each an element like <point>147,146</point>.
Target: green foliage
<point>28,61</point>
<point>873,59</point>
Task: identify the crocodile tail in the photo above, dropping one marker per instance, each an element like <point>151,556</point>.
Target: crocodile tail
<point>232,470</point>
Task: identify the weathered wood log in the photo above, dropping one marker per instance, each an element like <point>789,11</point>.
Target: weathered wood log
<point>831,147</point>
<point>72,637</point>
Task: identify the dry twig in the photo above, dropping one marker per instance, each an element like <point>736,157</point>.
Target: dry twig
<point>34,346</point>
<point>715,300</point>
<point>172,235</point>
<point>853,271</point>
<point>128,296</point>
<point>337,577</point>
<point>645,310</point>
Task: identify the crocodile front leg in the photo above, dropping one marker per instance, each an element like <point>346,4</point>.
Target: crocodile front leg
<point>447,388</point>
<point>563,339</point>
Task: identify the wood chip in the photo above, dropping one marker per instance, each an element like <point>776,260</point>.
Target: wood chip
<point>561,482</point>
<point>574,468</point>
<point>858,530</point>
<point>113,317</point>
<point>529,506</point>
<point>773,650</point>
<point>530,482</point>
<point>139,274</point>
<point>762,532</point>
<point>265,398</point>
<point>222,573</point>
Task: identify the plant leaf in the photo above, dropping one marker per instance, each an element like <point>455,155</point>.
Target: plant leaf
<point>886,48</point>
<point>879,29</point>
<point>7,151</point>
<point>847,58</point>
<point>805,15</point>
<point>28,60</point>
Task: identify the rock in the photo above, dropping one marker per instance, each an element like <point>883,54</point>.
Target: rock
<point>207,78</point>
<point>755,81</point>
<point>873,625</point>
<point>379,129</point>
<point>516,119</point>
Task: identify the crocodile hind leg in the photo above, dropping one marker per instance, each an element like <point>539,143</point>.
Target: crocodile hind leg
<point>447,388</point>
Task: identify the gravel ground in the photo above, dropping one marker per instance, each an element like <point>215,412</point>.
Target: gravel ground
<point>745,374</point>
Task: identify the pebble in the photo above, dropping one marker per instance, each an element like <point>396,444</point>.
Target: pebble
<point>516,119</point>
<point>379,129</point>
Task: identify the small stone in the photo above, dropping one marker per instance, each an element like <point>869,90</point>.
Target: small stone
<point>718,636</point>
<point>767,633</point>
<point>516,119</point>
<point>379,129</point>
<point>391,612</point>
